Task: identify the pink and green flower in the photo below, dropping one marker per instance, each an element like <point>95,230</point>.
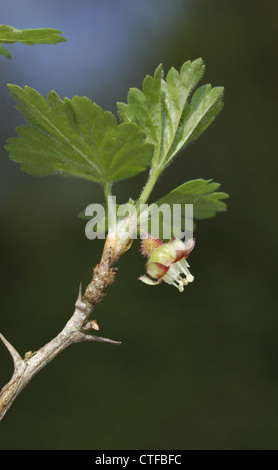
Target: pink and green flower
<point>167,261</point>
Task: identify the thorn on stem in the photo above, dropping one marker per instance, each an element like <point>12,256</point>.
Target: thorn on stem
<point>80,292</point>
<point>17,359</point>
<point>99,339</point>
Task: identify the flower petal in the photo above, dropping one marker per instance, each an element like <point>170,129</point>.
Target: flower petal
<point>189,245</point>
<point>177,248</point>
<point>156,270</point>
<point>149,281</point>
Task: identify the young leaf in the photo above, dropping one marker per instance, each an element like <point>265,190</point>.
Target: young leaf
<point>4,51</point>
<point>144,108</point>
<point>162,109</point>
<point>76,138</point>
<point>10,35</point>
<point>202,194</point>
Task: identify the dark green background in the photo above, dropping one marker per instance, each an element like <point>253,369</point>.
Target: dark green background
<point>196,370</point>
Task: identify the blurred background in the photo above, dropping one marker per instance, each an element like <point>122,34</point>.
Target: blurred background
<point>197,370</point>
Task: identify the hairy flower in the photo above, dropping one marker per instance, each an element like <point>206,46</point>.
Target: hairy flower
<point>167,262</point>
<point>148,244</point>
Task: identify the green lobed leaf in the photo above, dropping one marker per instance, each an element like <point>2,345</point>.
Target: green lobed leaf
<point>10,35</point>
<point>202,194</point>
<point>163,110</point>
<point>75,138</point>
<point>144,107</point>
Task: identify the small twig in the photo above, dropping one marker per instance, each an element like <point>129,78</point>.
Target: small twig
<point>75,331</point>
